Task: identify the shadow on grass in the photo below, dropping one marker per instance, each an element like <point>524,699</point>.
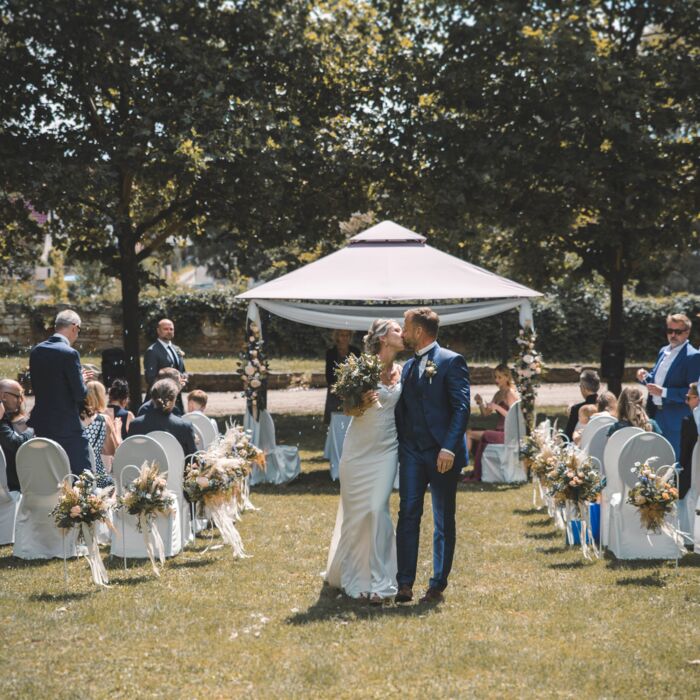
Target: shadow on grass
<point>552,550</point>
<point>567,565</point>
<point>58,597</point>
<point>692,560</point>
<point>487,488</point>
<point>543,535</point>
<point>526,511</point>
<point>546,522</point>
<point>11,562</point>
<point>191,564</point>
<point>334,606</point>
<point>135,580</point>
<point>316,483</point>
<point>653,580</point>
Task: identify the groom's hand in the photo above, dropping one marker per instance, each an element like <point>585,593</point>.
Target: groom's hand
<point>445,461</point>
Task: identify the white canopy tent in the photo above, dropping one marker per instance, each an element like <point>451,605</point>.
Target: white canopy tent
<point>380,273</point>
<point>382,267</point>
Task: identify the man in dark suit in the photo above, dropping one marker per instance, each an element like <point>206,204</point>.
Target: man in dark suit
<point>163,395</point>
<point>431,421</point>
<point>677,365</point>
<point>59,388</point>
<point>10,438</point>
<point>165,373</point>
<point>163,353</point>
<point>689,438</point>
<point>589,384</point>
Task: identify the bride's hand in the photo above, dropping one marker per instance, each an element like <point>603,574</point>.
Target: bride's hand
<point>369,398</point>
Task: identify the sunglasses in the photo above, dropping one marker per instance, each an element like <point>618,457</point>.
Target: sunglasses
<point>676,331</point>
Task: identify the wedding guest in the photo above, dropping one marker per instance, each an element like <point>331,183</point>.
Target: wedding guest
<point>164,394</point>
<point>118,404</point>
<point>59,387</point>
<point>585,413</point>
<point>334,356</point>
<point>606,405</point>
<point>12,393</point>
<point>589,385</point>
<point>103,433</point>
<point>164,353</point>
<point>197,402</point>
<point>689,439</point>
<point>173,375</point>
<point>502,400</point>
<point>631,413</point>
<point>11,439</point>
<point>677,365</point>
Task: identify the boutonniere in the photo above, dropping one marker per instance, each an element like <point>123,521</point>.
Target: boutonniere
<point>180,353</point>
<point>430,370</point>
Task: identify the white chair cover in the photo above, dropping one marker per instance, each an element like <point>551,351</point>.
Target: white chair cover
<point>597,440</point>
<point>205,427</point>
<point>613,485</point>
<point>9,504</point>
<point>502,463</point>
<point>176,472</point>
<point>333,449</point>
<point>41,465</point>
<point>626,537</point>
<point>127,541</point>
<point>282,461</point>
<point>595,425</point>
<point>688,506</point>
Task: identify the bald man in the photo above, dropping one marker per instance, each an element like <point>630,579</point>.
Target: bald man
<point>163,353</point>
<point>11,396</point>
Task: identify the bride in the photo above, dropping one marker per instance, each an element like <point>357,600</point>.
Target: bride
<point>362,556</point>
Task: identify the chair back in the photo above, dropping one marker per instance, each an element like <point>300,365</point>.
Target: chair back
<point>514,426</point>
<point>207,430</point>
<point>640,448</point>
<point>695,468</point>
<point>176,458</point>
<point>136,450</point>
<point>597,442</point>
<point>41,465</point>
<point>611,455</point>
<point>4,490</point>
<point>596,424</point>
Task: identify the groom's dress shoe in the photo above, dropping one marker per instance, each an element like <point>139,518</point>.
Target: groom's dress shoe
<point>405,595</point>
<point>432,595</point>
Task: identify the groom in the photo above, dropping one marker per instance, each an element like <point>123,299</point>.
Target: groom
<point>431,419</point>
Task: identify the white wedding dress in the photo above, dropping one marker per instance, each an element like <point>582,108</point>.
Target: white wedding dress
<point>362,556</point>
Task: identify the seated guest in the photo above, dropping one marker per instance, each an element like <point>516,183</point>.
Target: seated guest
<point>585,413</point>
<point>164,394</point>
<point>118,403</point>
<point>589,385</point>
<point>631,413</point>
<point>606,405</point>
<point>11,397</point>
<point>689,438</point>
<point>177,378</point>
<point>103,433</point>
<point>196,403</point>
<point>334,356</point>
<point>502,400</point>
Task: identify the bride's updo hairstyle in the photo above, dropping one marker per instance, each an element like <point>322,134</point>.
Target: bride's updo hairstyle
<point>164,394</point>
<point>377,330</point>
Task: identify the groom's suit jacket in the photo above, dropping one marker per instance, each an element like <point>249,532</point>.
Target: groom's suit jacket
<point>433,412</point>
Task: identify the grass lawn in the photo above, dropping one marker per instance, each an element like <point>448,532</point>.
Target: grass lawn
<point>524,616</point>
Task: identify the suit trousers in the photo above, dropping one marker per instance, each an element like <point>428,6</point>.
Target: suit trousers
<point>417,469</point>
<point>76,447</point>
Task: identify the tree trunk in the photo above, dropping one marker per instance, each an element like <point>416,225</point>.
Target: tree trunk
<point>614,347</point>
<point>131,316</point>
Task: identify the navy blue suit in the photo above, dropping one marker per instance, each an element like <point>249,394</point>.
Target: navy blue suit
<point>684,370</point>
<point>431,415</point>
<point>59,390</point>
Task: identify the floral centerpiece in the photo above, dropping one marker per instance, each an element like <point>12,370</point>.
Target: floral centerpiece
<point>354,377</point>
<point>254,370</point>
<point>147,497</point>
<point>654,495</point>
<point>527,370</point>
<point>84,504</point>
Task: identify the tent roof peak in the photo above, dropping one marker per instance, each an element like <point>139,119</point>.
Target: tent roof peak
<point>387,232</point>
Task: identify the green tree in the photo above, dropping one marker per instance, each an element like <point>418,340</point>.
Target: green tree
<point>140,124</point>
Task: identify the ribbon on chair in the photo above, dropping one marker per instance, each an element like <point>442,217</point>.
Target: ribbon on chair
<point>218,510</point>
<point>152,540</point>
<point>97,567</point>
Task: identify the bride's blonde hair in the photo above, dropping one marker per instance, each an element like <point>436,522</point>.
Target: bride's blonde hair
<point>379,328</point>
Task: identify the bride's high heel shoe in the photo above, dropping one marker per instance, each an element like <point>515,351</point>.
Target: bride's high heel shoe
<point>376,599</point>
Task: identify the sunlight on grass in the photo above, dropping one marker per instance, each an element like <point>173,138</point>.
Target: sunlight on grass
<point>524,615</point>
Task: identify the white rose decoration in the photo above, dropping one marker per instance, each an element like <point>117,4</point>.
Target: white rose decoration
<point>528,359</point>
<point>250,370</point>
<point>255,383</point>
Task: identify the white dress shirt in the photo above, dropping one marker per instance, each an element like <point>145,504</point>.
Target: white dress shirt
<point>423,354</point>
<point>670,355</point>
<point>172,354</point>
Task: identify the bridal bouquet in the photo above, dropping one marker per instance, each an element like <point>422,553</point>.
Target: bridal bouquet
<point>654,496</point>
<point>147,497</point>
<point>82,503</point>
<point>354,377</point>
